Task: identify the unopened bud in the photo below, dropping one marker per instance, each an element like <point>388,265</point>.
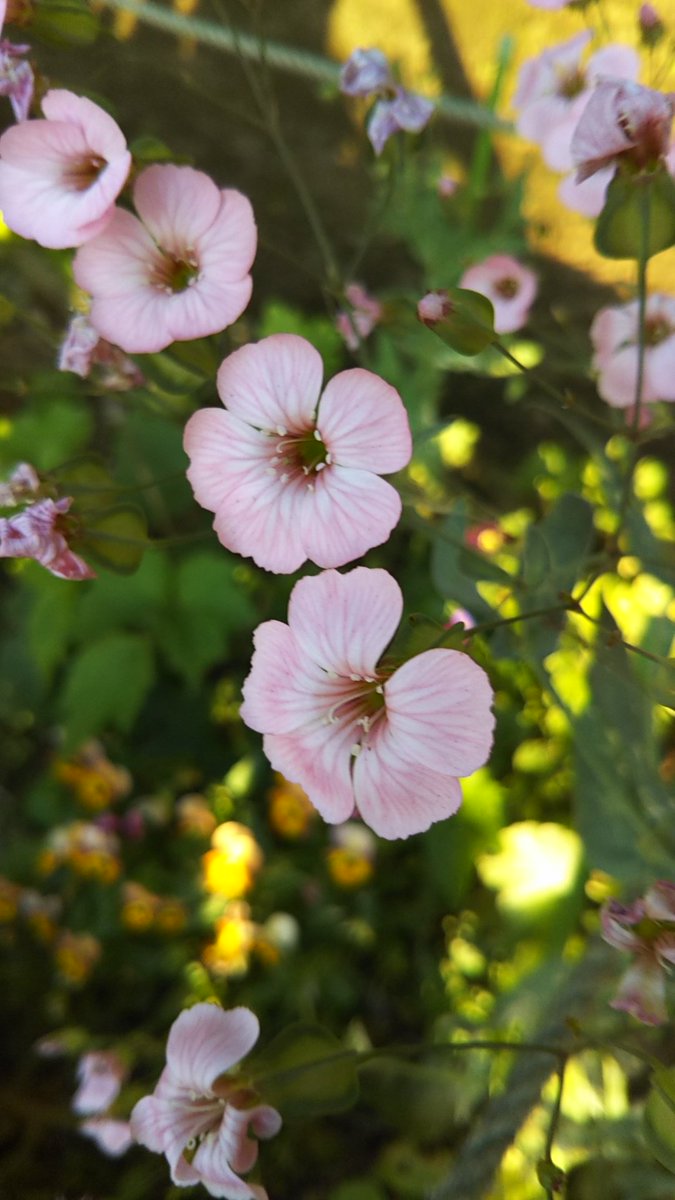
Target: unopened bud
<point>463,319</point>
<point>651,26</point>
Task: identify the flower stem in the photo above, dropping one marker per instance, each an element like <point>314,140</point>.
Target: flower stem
<point>643,261</point>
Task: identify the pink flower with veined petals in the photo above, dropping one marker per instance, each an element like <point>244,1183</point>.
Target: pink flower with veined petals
<point>646,929</point>
<point>180,272</point>
<point>197,1107</point>
<point>509,285</point>
<point>291,476</point>
<point>35,533</point>
<point>615,335</point>
<point>100,1074</point>
<point>347,728</point>
<point>554,89</point>
<point>622,120</point>
<point>59,177</point>
<point>22,484</point>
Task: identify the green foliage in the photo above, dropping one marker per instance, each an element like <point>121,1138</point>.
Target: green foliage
<point>634,201</point>
<point>659,1118</point>
<point>106,686</point>
<point>306,1071</point>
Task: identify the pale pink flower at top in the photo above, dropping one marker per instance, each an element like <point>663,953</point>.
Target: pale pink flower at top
<point>199,1105</point>
<point>16,77</point>
<point>587,197</point>
<point>35,533</point>
<point>180,272</point>
<point>615,335</point>
<point>59,176</point>
<point>100,1075</point>
<point>22,484</point>
<point>509,286</point>
<point>549,4</point>
<point>290,474</point>
<point>554,88</point>
<point>348,728</point>
<point>622,121</point>
<point>365,72</point>
<point>357,322</point>
<point>406,111</point>
<point>645,929</point>
<point>83,349</point>
<point>111,1135</point>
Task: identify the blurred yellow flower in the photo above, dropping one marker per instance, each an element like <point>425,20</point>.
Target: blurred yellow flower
<point>96,782</point>
<point>138,906</point>
<point>194,816</point>
<point>76,955</point>
<point>230,868</point>
<point>351,859</point>
<point>235,935</point>
<point>290,810</point>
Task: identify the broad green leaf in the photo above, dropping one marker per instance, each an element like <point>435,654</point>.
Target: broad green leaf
<point>115,537</point>
<point>133,602</point>
<point>659,1121</point>
<point>65,22</point>
<point>106,686</point>
<point>51,617</point>
<point>53,427</point>
<point>306,1071</point>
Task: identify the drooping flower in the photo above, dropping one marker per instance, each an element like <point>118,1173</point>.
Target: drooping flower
<point>623,121</point>
<point>180,272</point>
<point>36,533</point>
<point>83,349</point>
<point>291,475</point>
<point>646,929</point>
<point>358,321</point>
<point>350,729</point>
<point>22,484</point>
<point>554,88</point>
<point>509,285</point>
<point>100,1075</point>
<point>16,76</point>
<point>60,176</point>
<point>615,337</point>
<point>365,72</point>
<point>201,1107</point>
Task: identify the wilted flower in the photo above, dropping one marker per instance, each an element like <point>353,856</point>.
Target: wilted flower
<point>615,334</point>
<point>509,286</point>
<point>351,858</point>
<point>290,474</point>
<point>16,76</point>
<point>39,532</point>
<point>352,731</point>
<point>180,272</point>
<point>651,26</point>
<point>22,485</point>
<point>59,176</point>
<point>357,322</point>
<point>200,1113</point>
<point>83,349</point>
<point>622,122</point>
<point>646,929</point>
<point>100,1075</point>
<point>365,72</point>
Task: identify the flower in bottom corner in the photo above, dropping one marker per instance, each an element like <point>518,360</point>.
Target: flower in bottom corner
<point>200,1113</point>
<point>351,728</point>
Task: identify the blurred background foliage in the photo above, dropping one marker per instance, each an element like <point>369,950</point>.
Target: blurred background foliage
<point>148,856</point>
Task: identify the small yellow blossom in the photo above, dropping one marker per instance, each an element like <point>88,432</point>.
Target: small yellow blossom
<point>96,782</point>
<point>76,955</point>
<point>351,859</point>
<point>235,935</point>
<point>230,867</point>
<point>290,810</point>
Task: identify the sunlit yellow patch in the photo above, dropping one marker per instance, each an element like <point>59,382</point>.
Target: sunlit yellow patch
<point>650,479</point>
<point>535,863</point>
<point>230,868</point>
<point>235,932</point>
<point>4,230</point>
<point>348,869</point>
<point>457,443</point>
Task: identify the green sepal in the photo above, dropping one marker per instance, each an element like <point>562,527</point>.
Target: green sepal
<point>618,233</point>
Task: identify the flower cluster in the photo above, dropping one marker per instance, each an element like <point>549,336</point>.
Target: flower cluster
<point>646,929</point>
<point>367,73</point>
<point>95,780</point>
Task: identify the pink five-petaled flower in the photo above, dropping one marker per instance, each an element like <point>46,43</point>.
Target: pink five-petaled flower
<point>35,533</point>
<point>180,272</point>
<point>197,1107</point>
<point>291,476</point>
<point>59,177</point>
<point>646,929</point>
<point>352,731</point>
<point>615,337</point>
<point>622,121</point>
<point>16,77</point>
<point>509,285</point>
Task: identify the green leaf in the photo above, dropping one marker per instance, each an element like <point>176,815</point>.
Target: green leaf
<point>52,428</point>
<point>106,686</point>
<point>51,617</point>
<point>117,537</point>
<point>65,22</point>
<point>306,1071</point>
<point>208,606</point>
<point>554,557</point>
<point>278,317</point>
<point>618,233</point>
<point>659,1119</point>
<point>468,324</point>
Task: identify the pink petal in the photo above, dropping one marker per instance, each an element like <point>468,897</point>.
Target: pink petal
<point>660,372</point>
<point>227,248</point>
<point>395,796</point>
<point>103,135</point>
<point>206,306</point>
<point>205,1041</point>
<point>347,514</point>
<point>617,378</point>
<point>363,423</point>
<point>137,322</point>
<point>587,198</point>
<point>274,383</point>
<point>148,1123</point>
<point>343,623</point>
<point>284,690</point>
<point>642,991</point>
<point>112,1136</point>
<point>216,1174</point>
<point>262,519</point>
<point>223,451</point>
<point>318,758</point>
<point>659,901</point>
<point>438,712</point>
<point>177,204</point>
<point>117,261</point>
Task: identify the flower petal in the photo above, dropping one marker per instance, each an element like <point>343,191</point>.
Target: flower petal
<point>223,453</point>
<point>273,383</point>
<point>343,623</point>
<point>227,248</point>
<point>177,204</point>
<point>262,519</point>
<point>205,1041</point>
<point>347,514</point>
<point>284,690</point>
<point>395,796</point>
<point>363,423</point>
<point>318,758</point>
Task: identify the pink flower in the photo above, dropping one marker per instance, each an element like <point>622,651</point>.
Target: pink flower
<point>111,1135</point>
<point>588,197</point>
<point>365,72</point>
<point>509,285</point>
<point>347,727</point>
<point>407,111</point>
<point>355,324</point>
<point>100,1075</point>
<point>434,307</point>
<point>197,1106</point>
<point>646,929</point>
<point>83,349</point>
<point>180,272</point>
<point>36,533</point>
<point>59,176</point>
<point>16,77</point>
<point>622,121</point>
<point>292,476</point>
<point>23,483</point>
<point>549,4</point>
<point>554,89</point>
<point>615,334</point>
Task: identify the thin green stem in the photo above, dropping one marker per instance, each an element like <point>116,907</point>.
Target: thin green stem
<point>543,383</point>
<point>553,1122</point>
<point>643,261</point>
